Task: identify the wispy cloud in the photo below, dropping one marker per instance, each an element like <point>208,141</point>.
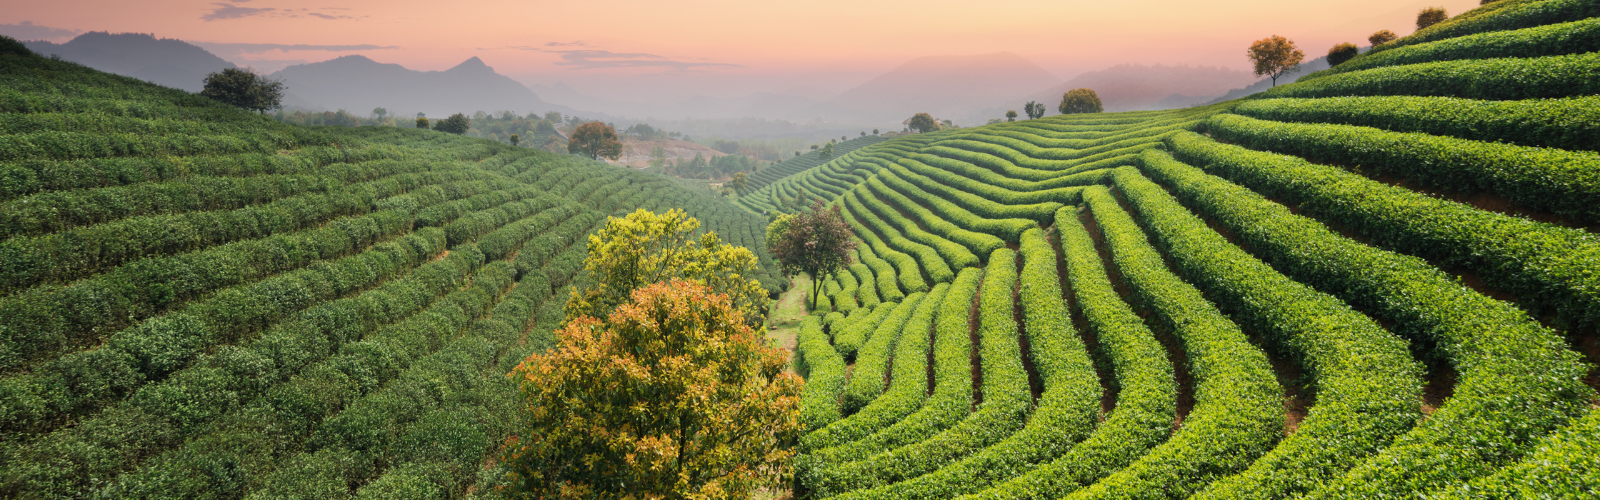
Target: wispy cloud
<point>257,48</point>
<point>221,11</point>
<point>594,59</point>
<point>577,43</point>
<point>231,11</point>
<point>26,30</point>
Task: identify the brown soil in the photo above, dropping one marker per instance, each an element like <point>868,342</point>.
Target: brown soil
<point>1091,340</point>
<point>1035,383</point>
<point>975,337</point>
<point>1438,385</point>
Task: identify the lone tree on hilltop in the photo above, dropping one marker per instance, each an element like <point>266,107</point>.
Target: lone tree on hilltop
<point>379,113</point>
<point>816,242</point>
<point>1011,115</point>
<point>1033,109</point>
<point>422,122</point>
<point>597,140</point>
<point>1080,101</point>
<point>1381,37</point>
<point>1341,53</point>
<point>456,124</point>
<point>923,122</point>
<point>673,395</point>
<point>1275,56</point>
<point>1430,16</point>
<point>244,89</point>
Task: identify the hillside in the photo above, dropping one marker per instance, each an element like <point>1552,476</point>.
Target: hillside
<point>359,84</point>
<point>165,61</point>
<point>197,301</point>
<point>1132,87</point>
<point>636,153</point>
<point>1381,281</point>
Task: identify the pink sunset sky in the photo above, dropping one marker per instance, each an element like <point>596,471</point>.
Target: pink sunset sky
<point>728,44</point>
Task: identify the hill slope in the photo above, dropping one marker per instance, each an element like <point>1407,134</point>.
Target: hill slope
<point>1424,325</point>
<point>187,284</point>
<point>166,61</point>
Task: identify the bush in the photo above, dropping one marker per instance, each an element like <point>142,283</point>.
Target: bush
<point>1341,53</point>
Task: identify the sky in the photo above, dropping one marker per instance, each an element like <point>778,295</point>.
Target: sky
<point>653,49</point>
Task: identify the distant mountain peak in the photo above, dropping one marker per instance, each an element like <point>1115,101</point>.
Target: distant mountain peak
<point>472,65</point>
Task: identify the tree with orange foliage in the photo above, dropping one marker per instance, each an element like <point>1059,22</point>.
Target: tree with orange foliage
<point>597,140</point>
<point>673,396</point>
<point>1381,37</point>
<point>1275,56</point>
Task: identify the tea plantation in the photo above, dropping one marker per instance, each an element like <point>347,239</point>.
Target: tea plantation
<point>1382,281</point>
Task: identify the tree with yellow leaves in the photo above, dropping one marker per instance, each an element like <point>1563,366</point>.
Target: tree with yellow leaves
<point>673,396</point>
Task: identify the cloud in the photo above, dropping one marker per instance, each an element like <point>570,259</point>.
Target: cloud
<point>593,58</point>
<point>231,11</point>
<point>578,43</point>
<point>26,30</point>
<point>328,16</point>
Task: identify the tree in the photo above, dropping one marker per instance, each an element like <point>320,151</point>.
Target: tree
<point>658,156</point>
<point>874,131</point>
<point>596,140</point>
<point>817,243</point>
<point>1341,53</point>
<point>456,124</point>
<point>422,122</point>
<point>739,181</point>
<point>244,89</point>
<point>1274,57</point>
<point>1430,16</point>
<point>379,113</point>
<point>777,228</point>
<point>1011,115</point>
<point>1079,100</point>
<point>1381,37</point>
<point>863,133</point>
<point>1033,109</point>
<point>674,395</point>
<point>644,247</point>
<point>515,138</point>
<point>923,122</point>
<point>826,152</point>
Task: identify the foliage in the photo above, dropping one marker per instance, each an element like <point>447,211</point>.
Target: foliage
<point>422,122</point>
<point>1551,40</point>
<point>1274,57</point>
<point>245,89</point>
<point>597,140</point>
<point>826,153</point>
<point>1430,16</point>
<point>1080,101</point>
<point>1341,53</point>
<point>1571,123</point>
<point>923,122</point>
<point>673,396</point>
<point>777,229</point>
<point>456,124</point>
<point>817,243</point>
<point>644,248</point>
<point>1034,110</point>
<point>1011,115</point>
<point>1381,37</point>
<point>1496,79</point>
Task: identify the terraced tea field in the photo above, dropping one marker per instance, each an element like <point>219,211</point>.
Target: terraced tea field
<point>1382,281</point>
<point>197,302</point>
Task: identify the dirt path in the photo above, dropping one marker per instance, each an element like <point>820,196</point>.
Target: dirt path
<point>784,323</point>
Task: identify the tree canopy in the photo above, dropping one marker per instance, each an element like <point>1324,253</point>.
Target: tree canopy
<point>244,89</point>
<point>1033,109</point>
<point>1011,115</point>
<point>816,242</point>
<point>1430,16</point>
<point>1341,53</point>
<point>1080,100</point>
<point>1381,37</point>
<point>645,247</point>
<point>826,152</point>
<point>597,140</point>
<point>923,122</point>
<point>1274,57</point>
<point>674,395</point>
<point>456,124</point>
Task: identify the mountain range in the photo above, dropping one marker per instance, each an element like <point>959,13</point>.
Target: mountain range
<point>163,61</point>
<point>358,84</point>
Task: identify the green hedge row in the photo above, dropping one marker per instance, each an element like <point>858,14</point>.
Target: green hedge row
<point>823,369</point>
<point>54,145</point>
<point>1020,201</point>
<point>1006,399</point>
<point>1499,16</point>
<point>986,207</point>
<point>908,384</point>
<point>471,227</point>
<point>1493,79</point>
<point>45,321</point>
<point>824,304</point>
<point>1238,412</point>
<point>80,252</point>
<point>980,175</point>
<point>1553,180</point>
<point>1564,466</point>
<point>82,382</point>
<point>867,291</point>
<point>884,274</point>
<point>1147,394</point>
<point>1067,412</point>
<point>1550,40</point>
<point>259,437</point>
<point>164,415</point>
<point>1367,388</point>
<point>1549,269</point>
<point>1008,229</point>
<point>870,374</point>
<point>978,243</point>
<point>1516,380</point>
<point>1570,123</point>
<point>503,242</point>
<point>950,402</point>
<point>849,340</point>
<point>930,259</point>
<point>905,269</point>
<point>845,299</point>
<point>1019,164</point>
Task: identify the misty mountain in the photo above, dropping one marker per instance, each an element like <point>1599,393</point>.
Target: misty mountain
<point>944,86</point>
<point>358,84</point>
<point>1133,87</point>
<point>164,61</point>
<point>1306,68</point>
